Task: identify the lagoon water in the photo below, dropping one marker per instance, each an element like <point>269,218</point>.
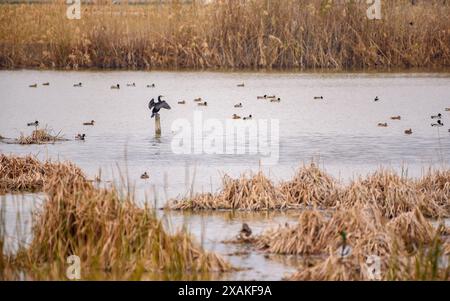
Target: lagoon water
<point>340,133</point>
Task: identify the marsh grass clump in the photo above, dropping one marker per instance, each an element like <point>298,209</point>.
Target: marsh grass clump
<point>412,229</point>
<point>435,185</point>
<point>391,193</point>
<point>28,174</point>
<point>112,235</point>
<point>254,193</point>
<point>317,231</point>
<point>312,187</point>
<point>39,136</point>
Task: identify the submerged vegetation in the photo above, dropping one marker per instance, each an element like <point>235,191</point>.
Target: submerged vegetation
<point>108,231</point>
<point>227,34</point>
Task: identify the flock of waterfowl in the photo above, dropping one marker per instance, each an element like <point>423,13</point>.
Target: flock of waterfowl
<point>155,107</point>
<point>438,117</point>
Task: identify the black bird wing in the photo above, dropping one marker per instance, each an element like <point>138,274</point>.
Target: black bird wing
<point>151,104</point>
<point>164,105</point>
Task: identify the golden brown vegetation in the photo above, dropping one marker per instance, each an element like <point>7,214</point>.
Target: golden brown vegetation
<point>227,34</point>
<point>385,190</point>
<point>39,136</point>
<point>108,231</point>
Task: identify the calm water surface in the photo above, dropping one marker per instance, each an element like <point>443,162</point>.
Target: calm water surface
<point>339,132</point>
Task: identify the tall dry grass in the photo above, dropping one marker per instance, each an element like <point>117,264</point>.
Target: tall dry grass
<point>227,34</point>
<point>111,234</point>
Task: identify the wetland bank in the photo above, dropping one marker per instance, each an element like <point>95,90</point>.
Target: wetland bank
<point>340,180</point>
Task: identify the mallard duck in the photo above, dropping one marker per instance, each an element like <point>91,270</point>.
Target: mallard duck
<point>46,84</point>
<point>89,123</point>
<point>318,97</point>
<point>183,102</point>
<point>248,118</point>
<point>77,85</point>
<point>384,125</point>
<point>36,123</point>
<point>198,99</point>
<point>408,132</point>
<point>115,87</point>
<point>261,97</point>
<point>151,86</point>
<point>239,105</point>
<point>235,116</point>
<point>33,86</point>
<point>131,85</point>
<point>145,176</point>
<point>203,104</point>
<point>241,85</point>
<point>438,124</point>
<point>80,137</point>
<point>276,100</point>
<point>396,117</point>
<point>438,116</point>
<point>376,99</point>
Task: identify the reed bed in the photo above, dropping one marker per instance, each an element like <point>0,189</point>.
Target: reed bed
<point>389,192</point>
<point>108,231</point>
<point>227,34</point>
<point>28,174</point>
<point>311,186</point>
<point>254,193</point>
<point>39,136</point>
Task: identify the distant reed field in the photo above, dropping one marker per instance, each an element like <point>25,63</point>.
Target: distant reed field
<point>254,34</point>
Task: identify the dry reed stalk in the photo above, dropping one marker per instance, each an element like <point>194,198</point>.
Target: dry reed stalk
<point>435,185</point>
<point>226,34</point>
<point>312,187</point>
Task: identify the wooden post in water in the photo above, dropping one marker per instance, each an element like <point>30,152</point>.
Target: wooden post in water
<point>157,126</point>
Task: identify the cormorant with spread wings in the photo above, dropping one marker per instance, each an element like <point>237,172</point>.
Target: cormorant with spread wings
<point>155,107</point>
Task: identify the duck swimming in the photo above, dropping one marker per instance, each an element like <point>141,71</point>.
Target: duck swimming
<point>376,99</point>
<point>203,104</point>
<point>276,100</point>
<point>151,86</point>
<point>80,137</point>
<point>447,109</point>
<point>318,97</point>
<point>438,124</point>
<point>131,85</point>
<point>89,123</point>
<point>183,102</point>
<point>245,232</point>
<point>239,105</point>
<point>33,86</point>
<point>261,97</point>
<point>236,116</point>
<point>156,107</point>
<point>46,84</point>
<point>396,117</point>
<point>438,116</point>
<point>198,99</point>
<point>241,85</point>
<point>384,125</point>
<point>77,85</point>
<point>36,123</point>
<point>115,87</point>
<point>408,132</point>
<point>145,176</point>
<point>248,118</point>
